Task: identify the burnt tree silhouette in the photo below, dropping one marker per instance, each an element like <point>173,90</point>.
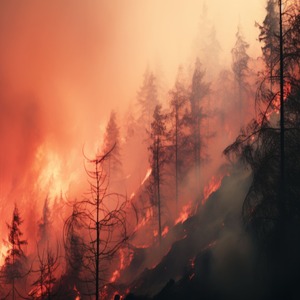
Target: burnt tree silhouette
<point>269,33</point>
<point>14,266</point>
<point>102,220</point>
<point>113,164</point>
<point>178,105</point>
<point>147,98</point>
<point>199,90</point>
<point>240,60</point>
<point>157,160</point>
<point>44,285</point>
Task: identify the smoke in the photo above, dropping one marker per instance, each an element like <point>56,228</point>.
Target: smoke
<point>64,65</point>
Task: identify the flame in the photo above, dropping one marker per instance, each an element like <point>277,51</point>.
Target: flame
<point>77,292</point>
<point>186,210</point>
<point>146,218</point>
<point>115,276</point>
<point>165,231</point>
<point>52,177</point>
<point>212,186</point>
<point>3,252</point>
<point>147,175</point>
<point>125,260</point>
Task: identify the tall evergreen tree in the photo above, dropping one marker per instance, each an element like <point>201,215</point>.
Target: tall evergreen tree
<point>240,68</point>
<point>178,104</point>
<point>112,140</point>
<point>199,89</point>
<point>269,36</point>
<point>13,269</point>
<point>147,99</point>
<point>157,160</point>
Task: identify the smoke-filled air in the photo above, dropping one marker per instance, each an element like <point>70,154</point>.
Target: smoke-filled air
<point>149,149</point>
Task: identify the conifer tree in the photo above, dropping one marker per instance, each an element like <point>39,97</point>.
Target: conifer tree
<point>13,269</point>
<point>178,138</point>
<point>199,90</point>
<point>113,165</point>
<point>240,68</point>
<point>157,160</point>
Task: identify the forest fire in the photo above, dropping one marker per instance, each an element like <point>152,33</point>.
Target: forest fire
<point>147,158</point>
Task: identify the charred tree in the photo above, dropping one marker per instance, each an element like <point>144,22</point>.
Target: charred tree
<point>101,217</point>
<point>48,264</point>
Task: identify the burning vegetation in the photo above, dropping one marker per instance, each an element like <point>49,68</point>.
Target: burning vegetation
<point>160,210</point>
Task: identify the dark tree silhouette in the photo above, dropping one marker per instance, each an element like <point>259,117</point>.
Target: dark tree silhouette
<point>45,224</point>
<point>269,33</point>
<point>240,60</point>
<point>48,264</point>
<point>157,160</point>
<point>14,268</point>
<point>147,99</point>
<point>199,90</point>
<point>113,165</point>
<point>178,137</point>
<point>102,220</point>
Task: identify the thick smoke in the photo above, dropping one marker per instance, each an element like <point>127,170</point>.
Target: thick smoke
<point>64,65</point>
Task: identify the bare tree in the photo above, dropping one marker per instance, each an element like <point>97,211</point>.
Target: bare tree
<point>102,220</point>
<point>48,264</point>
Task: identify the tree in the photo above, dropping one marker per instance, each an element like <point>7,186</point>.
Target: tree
<point>45,223</point>
<point>269,33</point>
<point>102,219</point>
<point>147,99</point>
<point>199,90</point>
<point>74,251</point>
<point>157,159</point>
<point>48,264</point>
<point>178,104</point>
<point>113,165</point>
<point>269,146</point>
<point>240,60</point>
<point>14,266</point>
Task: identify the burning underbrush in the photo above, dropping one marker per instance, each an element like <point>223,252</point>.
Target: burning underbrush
<point>192,251</point>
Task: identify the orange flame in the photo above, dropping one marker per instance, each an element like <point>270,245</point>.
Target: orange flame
<point>186,210</point>
<point>212,186</point>
<point>147,175</point>
<point>77,292</point>
<point>115,276</point>
<point>165,231</point>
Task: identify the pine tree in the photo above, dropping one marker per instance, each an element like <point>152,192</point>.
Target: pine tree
<point>157,160</point>
<point>147,99</point>
<point>178,104</point>
<point>269,36</point>
<point>13,269</point>
<point>240,68</point>
<point>199,90</point>
<point>113,165</point>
